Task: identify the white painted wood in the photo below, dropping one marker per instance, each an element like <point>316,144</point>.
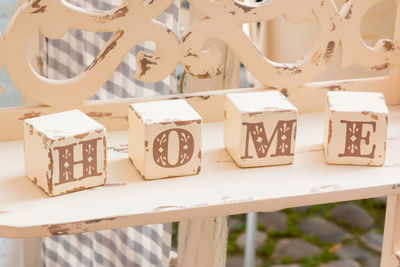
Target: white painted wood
<point>32,252</point>
<point>128,200</point>
<point>210,105</point>
<point>164,139</point>
<point>220,22</point>
<point>391,238</point>
<point>229,65</point>
<point>260,128</point>
<point>355,128</point>
<point>203,242</point>
<point>65,152</point>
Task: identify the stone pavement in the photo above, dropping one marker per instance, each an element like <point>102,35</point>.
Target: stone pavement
<point>333,235</point>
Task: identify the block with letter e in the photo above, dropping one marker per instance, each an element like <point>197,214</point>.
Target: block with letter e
<point>164,139</point>
<point>355,128</point>
<point>260,128</point>
<point>65,152</point>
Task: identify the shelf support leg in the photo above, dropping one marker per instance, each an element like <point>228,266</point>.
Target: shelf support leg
<point>203,242</point>
<point>391,237</point>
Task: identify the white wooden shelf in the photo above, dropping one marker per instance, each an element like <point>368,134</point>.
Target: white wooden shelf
<point>222,188</point>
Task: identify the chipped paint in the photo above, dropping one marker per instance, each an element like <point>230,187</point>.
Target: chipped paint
<point>388,45</point>
<point>99,220</point>
<point>330,49</point>
<point>202,97</point>
<point>49,172</point>
<point>349,13</point>
<point>285,92</point>
<point>29,115</point>
<point>292,69</point>
<point>243,7</point>
<point>81,136</point>
<point>190,54</point>
<point>99,115</point>
<point>37,7</point>
<point>380,67</point>
<point>107,50</point>
<point>206,74</point>
<point>58,229</point>
<point>184,37</point>
<point>334,88</point>
<point>330,131</point>
<point>182,123</point>
<point>252,114</point>
<point>119,13</point>
<point>145,63</point>
<point>375,117</point>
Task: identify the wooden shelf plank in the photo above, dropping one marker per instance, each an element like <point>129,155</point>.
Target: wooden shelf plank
<point>221,188</point>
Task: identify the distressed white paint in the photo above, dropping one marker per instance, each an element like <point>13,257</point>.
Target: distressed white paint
<point>391,237</point>
<point>127,200</point>
<point>355,128</point>
<point>173,123</point>
<point>275,120</point>
<point>44,138</point>
<point>132,23</point>
<point>203,242</point>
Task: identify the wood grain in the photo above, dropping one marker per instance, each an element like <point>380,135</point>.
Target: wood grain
<point>28,212</point>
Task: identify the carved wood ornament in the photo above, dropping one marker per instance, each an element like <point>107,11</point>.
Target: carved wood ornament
<point>132,23</point>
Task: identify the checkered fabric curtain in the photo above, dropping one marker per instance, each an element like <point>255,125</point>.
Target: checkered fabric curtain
<point>67,57</point>
<point>134,246</point>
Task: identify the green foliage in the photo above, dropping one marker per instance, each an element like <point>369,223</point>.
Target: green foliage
<point>286,260</point>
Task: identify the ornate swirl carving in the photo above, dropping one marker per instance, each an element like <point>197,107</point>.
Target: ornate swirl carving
<point>46,14</point>
<point>132,22</point>
<point>381,56</point>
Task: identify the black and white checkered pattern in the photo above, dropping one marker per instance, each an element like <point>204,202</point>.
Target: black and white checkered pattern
<point>67,57</point>
<point>135,246</point>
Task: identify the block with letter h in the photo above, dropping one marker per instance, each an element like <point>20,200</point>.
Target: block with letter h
<point>260,128</point>
<point>355,128</point>
<point>65,152</point>
<point>164,139</point>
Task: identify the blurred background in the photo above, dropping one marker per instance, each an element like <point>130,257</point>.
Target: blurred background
<point>340,234</point>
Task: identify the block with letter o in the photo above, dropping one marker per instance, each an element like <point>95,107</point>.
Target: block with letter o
<point>165,139</point>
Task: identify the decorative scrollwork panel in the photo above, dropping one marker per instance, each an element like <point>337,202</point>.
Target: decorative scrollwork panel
<point>133,22</point>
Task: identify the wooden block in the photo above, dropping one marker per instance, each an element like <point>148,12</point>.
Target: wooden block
<point>355,128</point>
<point>164,139</point>
<point>260,128</point>
<point>65,152</point>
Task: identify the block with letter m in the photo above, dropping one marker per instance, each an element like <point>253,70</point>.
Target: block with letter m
<point>260,128</point>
